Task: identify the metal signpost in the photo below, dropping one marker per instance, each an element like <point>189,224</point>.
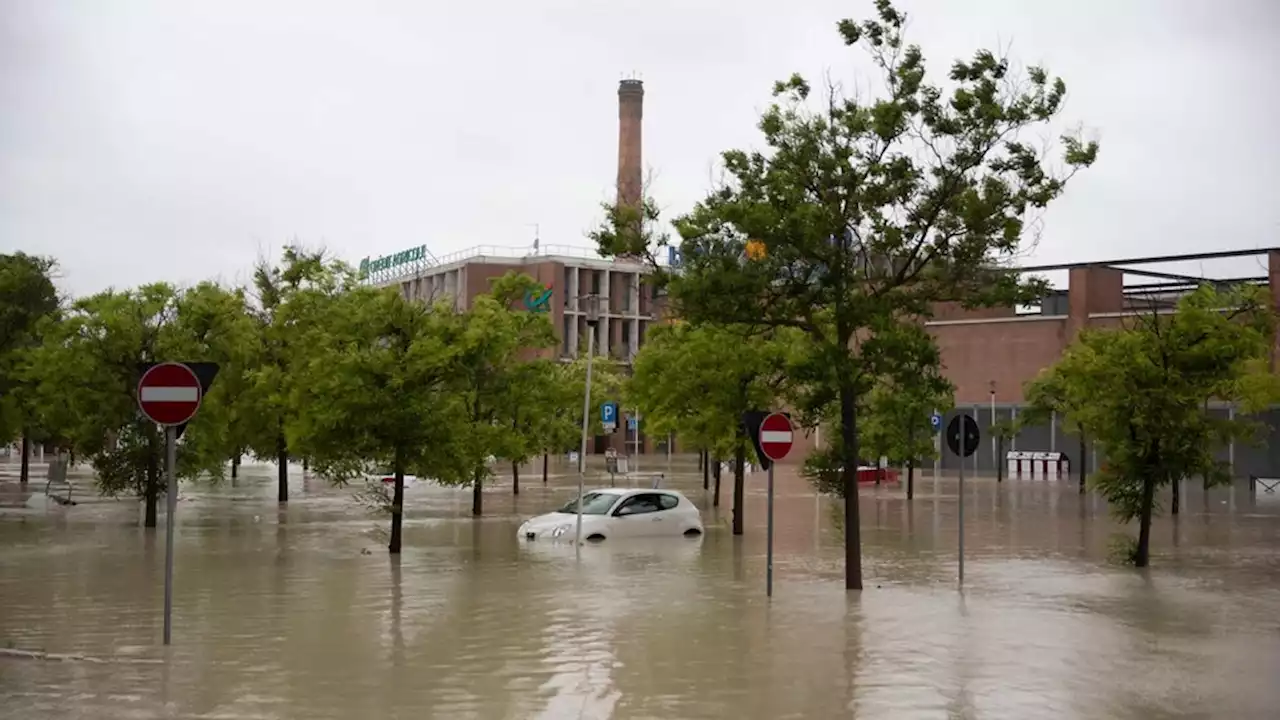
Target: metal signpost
<point>937,447</point>
<point>962,438</point>
<point>593,315</point>
<point>169,395</point>
<point>773,441</point>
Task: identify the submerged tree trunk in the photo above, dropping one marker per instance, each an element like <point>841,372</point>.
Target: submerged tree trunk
<point>1000,461</point>
<point>397,508</point>
<point>705,458</point>
<point>1084,452</point>
<point>282,468</point>
<point>151,490</point>
<point>849,472</point>
<point>715,472</point>
<point>1177,496</point>
<point>24,473</point>
<point>515,478</point>
<point>1142,555</point>
<point>235,467</point>
<point>739,487</point>
<point>544,468</point>
<point>477,492</point>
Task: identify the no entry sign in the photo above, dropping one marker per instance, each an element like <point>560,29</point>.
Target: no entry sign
<point>775,436</point>
<point>169,393</point>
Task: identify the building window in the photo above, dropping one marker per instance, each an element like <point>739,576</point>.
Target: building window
<point>566,289</point>
<point>564,337</point>
<point>595,282</point>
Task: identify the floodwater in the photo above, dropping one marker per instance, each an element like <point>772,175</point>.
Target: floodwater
<point>300,613</point>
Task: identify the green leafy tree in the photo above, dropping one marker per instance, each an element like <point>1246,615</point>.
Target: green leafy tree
<point>213,324</point>
<point>267,387</point>
<point>863,213</point>
<point>1140,392</point>
<point>28,299</point>
<point>492,343</point>
<point>372,386</point>
<point>88,370</point>
<point>698,381</point>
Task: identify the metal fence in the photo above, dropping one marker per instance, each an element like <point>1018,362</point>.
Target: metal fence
<point>1260,458</point>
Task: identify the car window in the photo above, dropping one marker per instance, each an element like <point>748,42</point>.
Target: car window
<point>593,503</point>
<point>640,504</point>
<point>668,501</point>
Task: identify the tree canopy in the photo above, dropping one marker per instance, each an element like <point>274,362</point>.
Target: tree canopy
<point>864,212</point>
<point>1140,392</point>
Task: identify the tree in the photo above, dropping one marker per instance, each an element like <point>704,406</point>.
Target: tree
<point>863,214</point>
<point>372,385</point>
<point>28,298</point>
<point>268,385</point>
<point>88,370</point>
<point>491,341</point>
<point>698,381</point>
<point>1140,391</point>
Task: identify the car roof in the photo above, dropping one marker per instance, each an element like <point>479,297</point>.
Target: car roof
<point>628,492</point>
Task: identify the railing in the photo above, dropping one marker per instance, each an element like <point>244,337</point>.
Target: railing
<point>515,252</point>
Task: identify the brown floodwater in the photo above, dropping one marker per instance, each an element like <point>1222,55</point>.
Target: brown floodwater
<point>300,613</point>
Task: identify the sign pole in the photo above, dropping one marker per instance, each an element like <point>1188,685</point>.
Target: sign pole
<point>768,575</point>
<point>171,503</point>
<point>586,418</point>
<point>961,518</point>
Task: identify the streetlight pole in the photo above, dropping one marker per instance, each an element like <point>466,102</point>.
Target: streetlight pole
<point>995,461</point>
<point>592,317</point>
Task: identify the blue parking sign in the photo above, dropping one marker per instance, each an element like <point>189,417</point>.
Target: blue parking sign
<point>609,413</point>
<point>631,423</point>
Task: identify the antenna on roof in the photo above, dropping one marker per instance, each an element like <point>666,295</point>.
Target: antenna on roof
<point>536,237</point>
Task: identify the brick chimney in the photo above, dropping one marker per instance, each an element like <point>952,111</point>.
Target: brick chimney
<point>630,114</point>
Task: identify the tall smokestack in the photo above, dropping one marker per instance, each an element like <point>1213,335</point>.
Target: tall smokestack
<point>630,114</point>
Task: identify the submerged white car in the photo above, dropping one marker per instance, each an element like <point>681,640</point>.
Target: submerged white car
<point>618,513</point>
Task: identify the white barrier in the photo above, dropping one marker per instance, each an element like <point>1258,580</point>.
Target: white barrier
<point>1045,464</point>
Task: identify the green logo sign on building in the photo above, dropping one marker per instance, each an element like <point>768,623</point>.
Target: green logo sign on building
<point>394,260</point>
<point>538,301</point>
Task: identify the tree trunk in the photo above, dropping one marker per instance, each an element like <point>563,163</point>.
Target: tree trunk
<point>715,472</point>
<point>24,473</point>
<point>849,472</point>
<point>544,468</point>
<point>1084,452</point>
<point>1000,461</point>
<point>306,466</point>
<point>739,486</point>
<point>1177,496</point>
<point>702,463</point>
<point>477,493</point>
<point>235,467</point>
<point>282,468</point>
<point>397,508</point>
<point>1142,556</point>
<point>911,478</point>
<point>515,478</point>
<point>151,491</point>
<point>705,459</point>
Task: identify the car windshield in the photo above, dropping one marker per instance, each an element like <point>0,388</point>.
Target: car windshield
<point>593,503</point>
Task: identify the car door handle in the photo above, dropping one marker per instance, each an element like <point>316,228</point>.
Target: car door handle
<point>657,519</point>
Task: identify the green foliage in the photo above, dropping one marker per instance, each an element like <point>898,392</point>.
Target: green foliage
<point>870,210</point>
<point>87,370</point>
<point>370,385</point>
<point>282,318</point>
<point>28,300</point>
<point>1140,393</point>
<point>697,381</point>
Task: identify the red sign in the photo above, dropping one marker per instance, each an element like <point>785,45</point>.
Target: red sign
<point>775,436</point>
<point>169,393</point>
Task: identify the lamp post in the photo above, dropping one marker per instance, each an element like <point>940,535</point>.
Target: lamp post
<point>995,459</point>
<point>593,315</point>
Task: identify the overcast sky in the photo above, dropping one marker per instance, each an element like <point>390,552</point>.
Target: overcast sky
<point>177,140</point>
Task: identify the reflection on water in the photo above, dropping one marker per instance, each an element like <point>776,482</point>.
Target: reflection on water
<point>299,613</point>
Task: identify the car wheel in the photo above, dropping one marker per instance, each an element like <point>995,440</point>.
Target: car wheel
<point>597,537</point>
<point>692,532</point>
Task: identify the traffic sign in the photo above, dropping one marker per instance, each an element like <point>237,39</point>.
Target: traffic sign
<point>609,416</point>
<point>775,436</point>
<point>169,393</point>
<point>632,422</point>
<point>962,435</point>
<point>936,421</point>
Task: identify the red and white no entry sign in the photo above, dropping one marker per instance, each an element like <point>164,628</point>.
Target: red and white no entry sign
<point>775,436</point>
<point>169,393</point>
